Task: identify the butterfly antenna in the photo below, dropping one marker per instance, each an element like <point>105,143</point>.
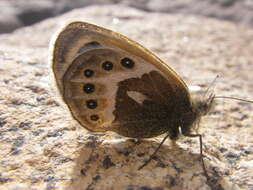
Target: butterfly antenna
<point>233,98</point>
<point>211,84</point>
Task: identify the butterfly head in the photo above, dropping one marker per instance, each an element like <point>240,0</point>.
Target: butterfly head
<point>191,119</point>
<point>203,106</point>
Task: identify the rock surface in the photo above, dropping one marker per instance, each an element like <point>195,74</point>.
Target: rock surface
<point>42,147</point>
<point>15,14</point>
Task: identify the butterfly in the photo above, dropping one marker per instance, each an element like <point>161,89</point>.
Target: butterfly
<point>112,83</point>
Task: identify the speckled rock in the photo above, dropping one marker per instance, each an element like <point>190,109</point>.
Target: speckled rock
<point>15,14</point>
<point>42,147</point>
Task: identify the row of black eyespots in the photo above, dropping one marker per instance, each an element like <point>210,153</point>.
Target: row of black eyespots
<point>107,66</point>
<point>125,62</point>
<point>91,104</point>
<point>89,87</point>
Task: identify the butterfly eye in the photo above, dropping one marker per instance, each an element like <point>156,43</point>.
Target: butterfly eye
<point>91,104</point>
<point>88,73</point>
<point>89,88</point>
<point>107,65</point>
<point>128,63</point>
<point>94,117</point>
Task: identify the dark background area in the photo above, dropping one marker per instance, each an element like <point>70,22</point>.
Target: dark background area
<point>20,13</point>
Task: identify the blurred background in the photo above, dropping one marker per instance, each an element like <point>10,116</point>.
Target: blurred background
<point>20,13</point>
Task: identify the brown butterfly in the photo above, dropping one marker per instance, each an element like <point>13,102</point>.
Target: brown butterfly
<point>111,83</point>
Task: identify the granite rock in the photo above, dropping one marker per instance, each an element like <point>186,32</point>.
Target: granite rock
<point>15,14</point>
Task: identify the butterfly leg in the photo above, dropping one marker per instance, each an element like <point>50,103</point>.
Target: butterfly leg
<point>201,151</point>
<point>154,153</point>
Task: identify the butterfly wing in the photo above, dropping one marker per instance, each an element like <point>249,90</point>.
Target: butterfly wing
<point>110,82</point>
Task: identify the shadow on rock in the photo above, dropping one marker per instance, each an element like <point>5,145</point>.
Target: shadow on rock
<point>107,162</point>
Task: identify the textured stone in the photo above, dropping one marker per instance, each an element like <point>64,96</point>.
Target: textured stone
<point>15,14</point>
<point>42,147</point>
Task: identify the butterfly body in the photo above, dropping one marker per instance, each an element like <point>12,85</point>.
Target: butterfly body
<point>111,83</point>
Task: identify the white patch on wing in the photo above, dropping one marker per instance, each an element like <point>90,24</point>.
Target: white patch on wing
<point>141,67</point>
<point>137,96</point>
